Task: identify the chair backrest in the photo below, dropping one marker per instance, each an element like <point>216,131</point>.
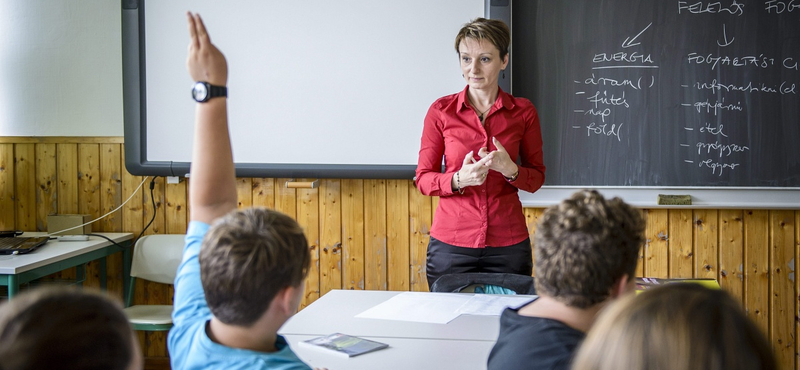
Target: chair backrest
<point>156,257</point>
<point>456,283</point>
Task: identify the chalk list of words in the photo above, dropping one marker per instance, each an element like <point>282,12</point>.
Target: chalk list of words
<point>619,79</point>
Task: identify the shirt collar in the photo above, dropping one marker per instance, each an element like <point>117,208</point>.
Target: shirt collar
<point>506,100</point>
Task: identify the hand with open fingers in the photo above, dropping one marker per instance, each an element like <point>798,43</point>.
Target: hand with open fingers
<point>501,161</point>
<point>205,62</point>
<point>473,173</point>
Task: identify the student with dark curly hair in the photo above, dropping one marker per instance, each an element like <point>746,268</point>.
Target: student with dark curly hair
<point>586,250</point>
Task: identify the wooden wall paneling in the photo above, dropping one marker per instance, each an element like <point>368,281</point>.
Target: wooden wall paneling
<point>134,187</point>
<point>681,260</point>
<point>330,256</point>
<point>110,187</point>
<point>46,184</point>
<point>110,199</point>
<point>420,213</point>
<point>176,221</point>
<point>352,234</point>
<point>7,219</point>
<point>67,166</point>
<point>397,238</point>
<point>25,189</point>
<point>175,210</point>
<point>757,268</point>
<point>264,192</point>
<point>89,197</point>
<point>784,299</point>
<point>706,229</point>
<point>156,293</point>
<point>375,235</point>
<point>67,189</point>
<point>796,285</point>
<point>244,192</point>
<point>656,245</point>
<point>308,218</point>
<point>285,198</point>
<point>640,271</point>
<point>731,252</point>
<point>532,216</point>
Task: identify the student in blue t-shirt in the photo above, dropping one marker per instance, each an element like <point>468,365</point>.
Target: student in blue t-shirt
<point>242,272</point>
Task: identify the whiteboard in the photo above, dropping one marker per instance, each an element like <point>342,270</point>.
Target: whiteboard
<point>316,87</point>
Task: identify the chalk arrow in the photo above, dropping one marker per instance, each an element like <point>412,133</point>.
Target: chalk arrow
<point>725,36</point>
<point>629,41</point>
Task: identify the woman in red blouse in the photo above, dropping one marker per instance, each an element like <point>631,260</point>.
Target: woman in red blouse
<point>492,146</point>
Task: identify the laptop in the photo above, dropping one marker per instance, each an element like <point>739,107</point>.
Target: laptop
<point>21,245</point>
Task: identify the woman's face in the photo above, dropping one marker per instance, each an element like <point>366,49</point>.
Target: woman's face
<point>480,63</point>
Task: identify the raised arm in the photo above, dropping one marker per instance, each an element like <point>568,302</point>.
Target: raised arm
<point>212,184</point>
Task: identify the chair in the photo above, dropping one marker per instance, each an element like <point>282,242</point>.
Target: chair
<point>474,282</point>
<point>155,258</point>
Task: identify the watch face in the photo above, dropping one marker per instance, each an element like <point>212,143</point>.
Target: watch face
<point>200,92</point>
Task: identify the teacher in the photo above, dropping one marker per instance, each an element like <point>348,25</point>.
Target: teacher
<point>492,146</point>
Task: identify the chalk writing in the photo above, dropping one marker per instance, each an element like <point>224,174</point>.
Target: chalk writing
<point>761,61</point>
<point>723,149</point>
<point>700,7</point>
<point>713,130</point>
<point>633,57</point>
<point>714,87</point>
<point>781,6</point>
<point>715,107</point>
<point>604,130</point>
<point>605,81</point>
<point>716,166</point>
<point>605,99</point>
<point>603,113</point>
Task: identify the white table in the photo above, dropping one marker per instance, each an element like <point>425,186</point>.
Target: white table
<point>57,256</point>
<point>463,343</point>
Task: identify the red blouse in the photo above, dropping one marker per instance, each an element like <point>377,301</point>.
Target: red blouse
<point>489,215</point>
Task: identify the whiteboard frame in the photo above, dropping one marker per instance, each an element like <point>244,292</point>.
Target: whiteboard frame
<point>135,115</point>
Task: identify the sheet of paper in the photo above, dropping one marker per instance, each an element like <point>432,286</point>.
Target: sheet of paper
<point>491,305</point>
<point>437,308</point>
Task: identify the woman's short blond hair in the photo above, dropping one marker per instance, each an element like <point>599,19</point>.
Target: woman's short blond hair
<point>492,30</point>
<point>681,326</point>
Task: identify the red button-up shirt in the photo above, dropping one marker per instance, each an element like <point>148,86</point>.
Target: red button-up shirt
<point>489,214</point>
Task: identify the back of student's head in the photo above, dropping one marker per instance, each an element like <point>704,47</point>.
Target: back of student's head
<point>681,326</point>
<point>247,257</point>
<point>67,329</point>
<point>584,245</point>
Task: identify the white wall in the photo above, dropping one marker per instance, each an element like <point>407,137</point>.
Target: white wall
<point>60,68</point>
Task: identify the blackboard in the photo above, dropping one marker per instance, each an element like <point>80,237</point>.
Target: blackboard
<point>655,93</point>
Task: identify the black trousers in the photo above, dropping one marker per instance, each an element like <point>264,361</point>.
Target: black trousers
<point>444,259</point>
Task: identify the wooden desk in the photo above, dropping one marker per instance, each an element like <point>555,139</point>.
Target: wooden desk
<point>57,256</point>
<point>463,343</point>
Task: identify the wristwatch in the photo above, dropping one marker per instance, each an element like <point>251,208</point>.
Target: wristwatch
<point>203,91</point>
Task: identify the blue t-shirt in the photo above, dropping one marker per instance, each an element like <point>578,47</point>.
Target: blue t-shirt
<point>189,345</point>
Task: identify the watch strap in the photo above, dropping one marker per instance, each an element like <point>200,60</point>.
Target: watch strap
<point>217,91</point>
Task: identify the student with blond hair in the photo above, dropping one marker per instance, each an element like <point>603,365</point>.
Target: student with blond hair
<point>681,326</point>
<point>67,329</point>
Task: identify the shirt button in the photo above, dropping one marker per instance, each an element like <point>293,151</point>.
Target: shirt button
<point>483,190</point>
